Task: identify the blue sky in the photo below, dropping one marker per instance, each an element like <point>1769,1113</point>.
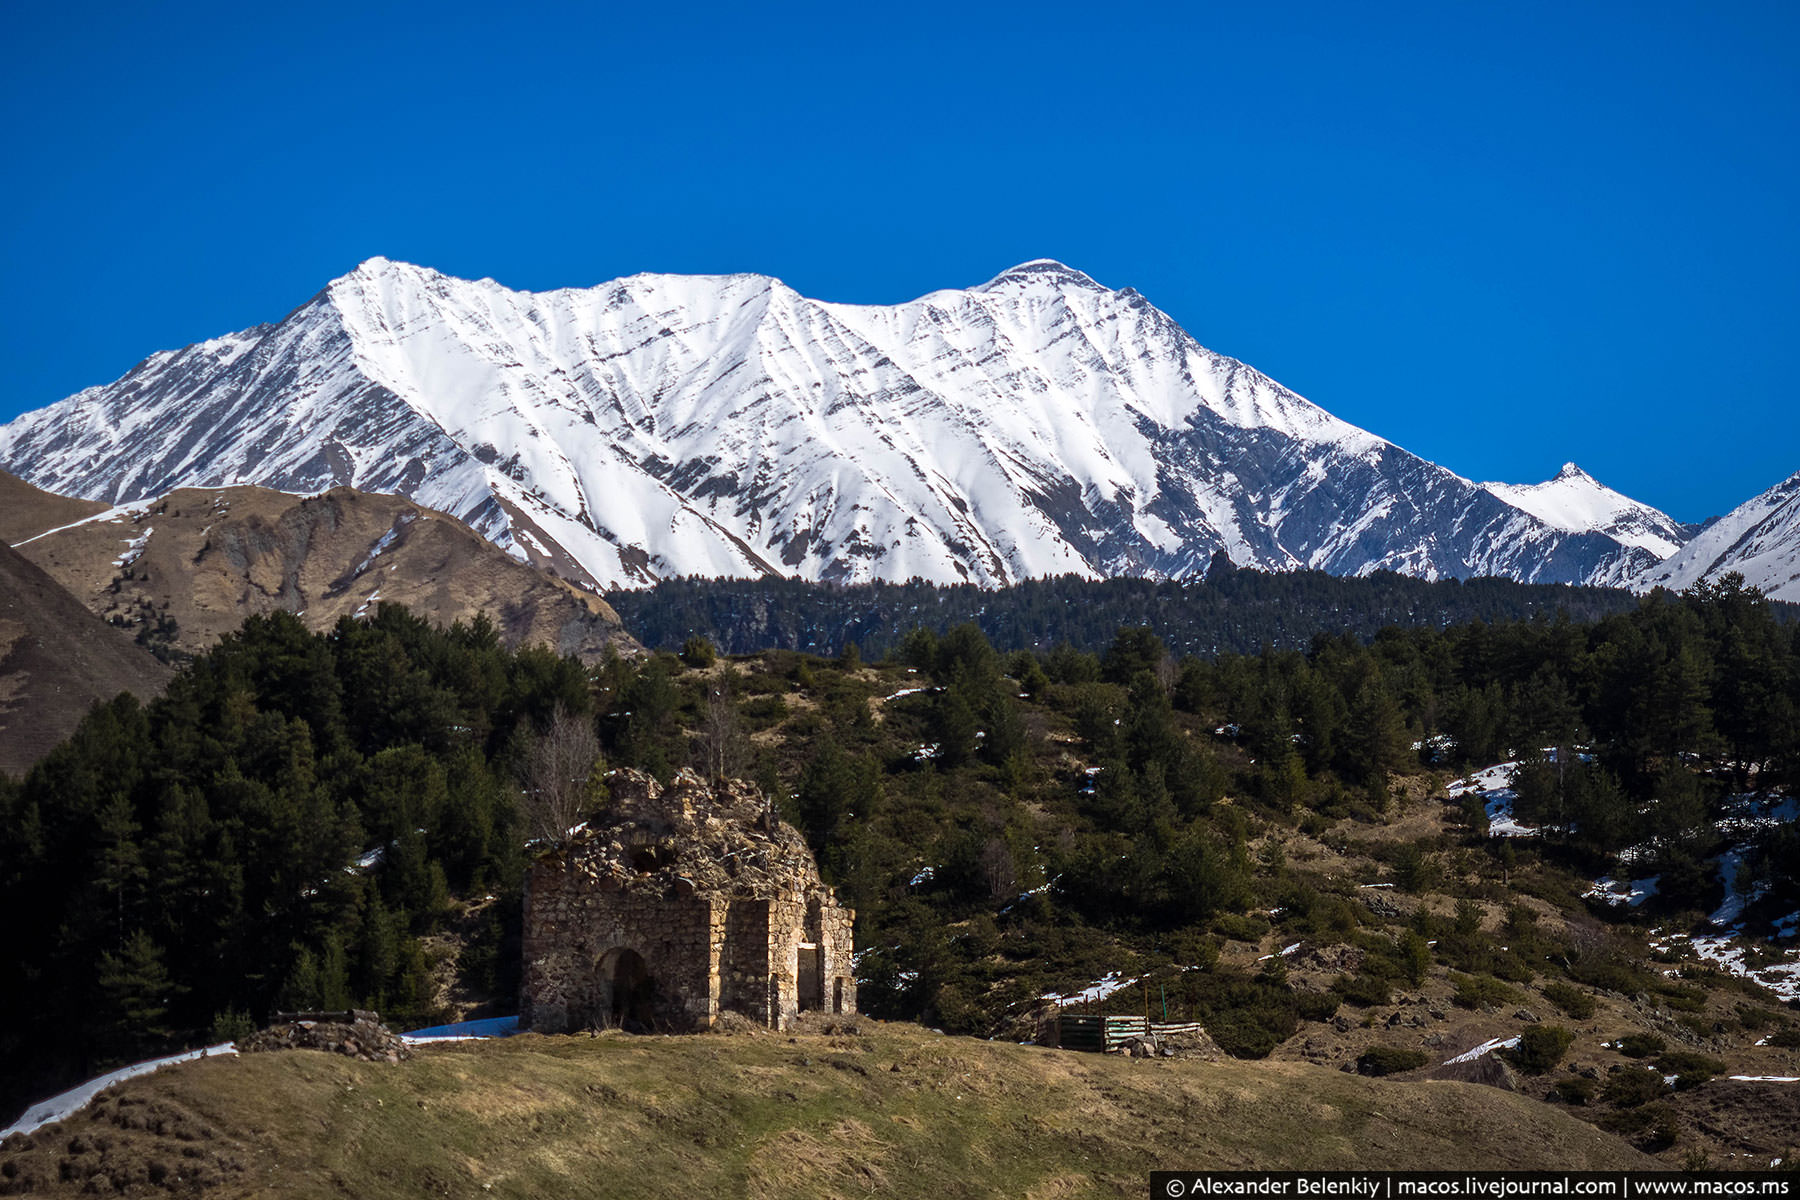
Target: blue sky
<point>1504,236</point>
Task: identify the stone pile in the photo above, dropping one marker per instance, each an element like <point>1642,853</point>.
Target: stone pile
<point>692,837</point>
<point>363,1040</point>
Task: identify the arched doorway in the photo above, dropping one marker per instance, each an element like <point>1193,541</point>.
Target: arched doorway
<point>624,991</point>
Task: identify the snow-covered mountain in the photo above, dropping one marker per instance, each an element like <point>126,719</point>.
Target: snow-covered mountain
<point>667,425</point>
<point>1577,502</point>
<point>1759,539</point>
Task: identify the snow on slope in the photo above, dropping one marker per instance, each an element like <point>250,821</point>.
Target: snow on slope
<point>1576,501</point>
<point>667,425</point>
<point>1759,539</point>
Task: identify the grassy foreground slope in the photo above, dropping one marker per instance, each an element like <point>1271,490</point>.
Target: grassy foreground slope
<point>896,1110</point>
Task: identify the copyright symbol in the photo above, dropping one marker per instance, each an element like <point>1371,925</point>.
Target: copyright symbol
<point>1176,1187</point>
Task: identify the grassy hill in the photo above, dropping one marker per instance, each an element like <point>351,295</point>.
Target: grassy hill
<point>894,1110</point>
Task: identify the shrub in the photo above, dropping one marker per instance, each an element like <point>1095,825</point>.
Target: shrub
<point>1317,1006</point>
<point>1685,999</point>
<point>1388,1060</point>
<point>1363,990</point>
<point>1662,1128</point>
<point>1787,1038</point>
<point>1240,927</point>
<point>1575,1089</point>
<point>1540,1048</point>
<point>1613,977</point>
<point>1474,991</point>
<point>1629,1087</point>
<point>1641,1045</point>
<point>1573,1001</point>
<point>698,653</point>
<point>1689,1069</point>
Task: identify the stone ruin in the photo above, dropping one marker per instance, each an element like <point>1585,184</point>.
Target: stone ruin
<point>679,904</point>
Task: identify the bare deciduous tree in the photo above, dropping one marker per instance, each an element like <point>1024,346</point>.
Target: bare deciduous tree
<point>722,747</point>
<point>558,775</point>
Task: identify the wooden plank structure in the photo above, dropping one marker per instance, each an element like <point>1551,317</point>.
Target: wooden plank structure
<point>341,1016</point>
<point>1105,1034</point>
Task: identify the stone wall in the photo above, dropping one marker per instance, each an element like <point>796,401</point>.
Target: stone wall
<point>687,902</point>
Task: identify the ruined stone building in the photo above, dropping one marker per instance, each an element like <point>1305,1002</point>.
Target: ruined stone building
<point>677,905</point>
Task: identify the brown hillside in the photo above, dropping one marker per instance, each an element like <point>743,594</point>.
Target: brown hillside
<point>26,510</point>
<point>56,660</point>
<point>190,567</point>
<point>895,1111</point>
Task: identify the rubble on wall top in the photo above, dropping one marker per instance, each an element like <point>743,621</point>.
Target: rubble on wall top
<point>692,837</point>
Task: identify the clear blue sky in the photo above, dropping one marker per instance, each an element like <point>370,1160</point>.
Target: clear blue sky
<point>1502,235</point>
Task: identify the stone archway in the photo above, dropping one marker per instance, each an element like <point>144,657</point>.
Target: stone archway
<point>624,991</point>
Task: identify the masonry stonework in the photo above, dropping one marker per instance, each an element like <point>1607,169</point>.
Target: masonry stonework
<point>678,904</point>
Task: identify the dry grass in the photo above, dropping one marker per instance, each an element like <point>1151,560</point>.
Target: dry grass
<point>895,1111</point>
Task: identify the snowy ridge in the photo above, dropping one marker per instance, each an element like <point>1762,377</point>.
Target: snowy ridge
<point>664,425</point>
<point>1759,539</point>
<point>1577,502</point>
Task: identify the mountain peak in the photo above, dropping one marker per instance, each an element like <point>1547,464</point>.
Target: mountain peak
<point>1043,270</point>
<point>1571,471</point>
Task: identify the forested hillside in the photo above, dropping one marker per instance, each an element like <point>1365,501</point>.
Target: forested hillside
<point>287,824</point>
<point>1231,611</point>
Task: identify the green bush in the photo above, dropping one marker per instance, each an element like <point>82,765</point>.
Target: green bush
<point>1240,927</point>
<point>1684,999</point>
<point>1629,1087</point>
<point>231,1025</point>
<point>1388,1060</point>
<point>1689,1069</point>
<point>761,712</point>
<point>698,653</point>
<point>1540,1048</point>
<point>1474,991</point>
<point>1662,1128</point>
<point>1363,990</point>
<point>1575,1089</point>
<point>1641,1045</point>
<point>1573,1001</point>
<point>1317,1006</point>
<point>1613,977</point>
<point>1787,1038</point>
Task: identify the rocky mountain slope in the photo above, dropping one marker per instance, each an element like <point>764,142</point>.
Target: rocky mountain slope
<point>189,567</point>
<point>56,661</point>
<point>1759,539</point>
<point>665,425</point>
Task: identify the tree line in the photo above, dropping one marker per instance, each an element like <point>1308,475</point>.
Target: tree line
<point>292,822</point>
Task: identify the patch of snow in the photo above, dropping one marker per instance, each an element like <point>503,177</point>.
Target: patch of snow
<point>1615,892</point>
<point>78,1098</point>
<point>925,875</point>
<point>1494,786</point>
<point>1766,1079</point>
<point>1485,1048</point>
<point>1099,990</point>
<point>134,547</point>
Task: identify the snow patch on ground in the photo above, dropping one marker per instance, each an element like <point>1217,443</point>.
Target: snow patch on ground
<point>1099,990</point>
<point>1494,786</point>
<point>78,1098</point>
<point>1486,1048</point>
<point>134,547</point>
<point>1613,891</point>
